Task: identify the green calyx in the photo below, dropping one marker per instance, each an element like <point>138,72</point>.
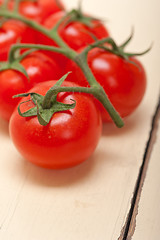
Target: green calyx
<point>2,21</point>
<point>14,62</point>
<point>119,50</point>
<point>77,15</point>
<point>45,106</point>
<point>14,66</point>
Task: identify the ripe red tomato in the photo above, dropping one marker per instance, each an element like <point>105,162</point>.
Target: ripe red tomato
<point>37,10</point>
<point>39,68</point>
<point>70,137</point>
<point>51,7</point>
<point>75,34</point>
<point>11,32</point>
<point>123,81</point>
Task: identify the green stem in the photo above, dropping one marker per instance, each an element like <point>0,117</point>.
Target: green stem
<point>100,44</point>
<point>104,40</point>
<point>23,55</point>
<point>66,52</point>
<point>17,16</point>
<point>81,61</point>
<point>16,6</point>
<point>98,92</point>
<point>102,97</point>
<point>5,4</point>
<point>49,96</point>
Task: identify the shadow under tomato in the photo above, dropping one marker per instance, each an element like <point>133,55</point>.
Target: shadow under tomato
<point>130,123</point>
<point>4,127</point>
<point>54,178</point>
<point>29,174</point>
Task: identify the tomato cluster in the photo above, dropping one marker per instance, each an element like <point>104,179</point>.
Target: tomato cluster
<point>72,135</point>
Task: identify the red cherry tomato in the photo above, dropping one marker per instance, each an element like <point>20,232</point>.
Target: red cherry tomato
<point>123,81</point>
<point>36,10</point>
<point>39,10</point>
<point>75,34</point>
<point>51,7</point>
<point>11,32</point>
<point>70,137</point>
<point>39,68</point>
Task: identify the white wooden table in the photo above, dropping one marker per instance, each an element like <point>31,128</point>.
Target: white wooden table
<point>115,194</point>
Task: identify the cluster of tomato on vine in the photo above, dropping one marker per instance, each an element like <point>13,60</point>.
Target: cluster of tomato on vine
<point>61,76</point>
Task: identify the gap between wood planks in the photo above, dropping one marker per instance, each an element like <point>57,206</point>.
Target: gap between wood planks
<point>130,225</point>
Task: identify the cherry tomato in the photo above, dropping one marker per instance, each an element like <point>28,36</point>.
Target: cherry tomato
<point>124,82</point>
<point>70,137</point>
<point>75,34</point>
<point>11,32</point>
<point>51,7</point>
<point>36,10</point>
<point>39,68</point>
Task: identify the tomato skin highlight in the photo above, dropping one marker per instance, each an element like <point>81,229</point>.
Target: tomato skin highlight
<point>36,10</point>
<point>70,137</point>
<point>11,32</point>
<point>75,34</point>
<point>39,68</point>
<point>124,82</point>
<point>39,10</point>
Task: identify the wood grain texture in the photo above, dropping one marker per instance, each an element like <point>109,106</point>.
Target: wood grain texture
<point>90,201</point>
<point>148,209</point>
<point>131,221</point>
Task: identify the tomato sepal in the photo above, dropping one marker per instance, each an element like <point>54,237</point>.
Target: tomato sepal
<point>14,66</point>
<point>45,115</point>
<point>77,15</point>
<point>45,106</point>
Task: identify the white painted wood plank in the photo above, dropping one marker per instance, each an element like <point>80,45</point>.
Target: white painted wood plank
<point>147,221</point>
<point>90,201</point>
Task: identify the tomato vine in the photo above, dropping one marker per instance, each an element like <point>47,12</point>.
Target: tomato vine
<point>79,58</point>
<point>56,120</point>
